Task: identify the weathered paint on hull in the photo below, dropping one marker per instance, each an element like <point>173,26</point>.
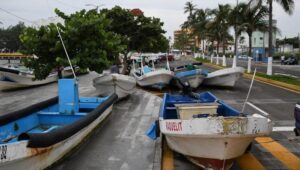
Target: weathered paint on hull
<point>228,80</point>
<point>155,78</point>
<point>195,80</point>
<point>210,147</point>
<point>219,138</point>
<point>6,85</point>
<point>212,164</point>
<point>28,80</point>
<point>120,84</point>
<point>20,157</point>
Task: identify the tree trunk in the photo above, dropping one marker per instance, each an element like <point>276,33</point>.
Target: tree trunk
<point>270,28</point>
<point>236,41</point>
<point>59,72</point>
<point>224,48</point>
<point>203,46</point>
<point>125,64</point>
<point>217,47</point>
<point>250,44</point>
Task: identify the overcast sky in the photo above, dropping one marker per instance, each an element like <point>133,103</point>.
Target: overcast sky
<point>170,11</point>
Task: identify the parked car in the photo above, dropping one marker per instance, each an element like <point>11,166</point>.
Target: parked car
<point>291,61</point>
<point>164,57</point>
<point>151,57</point>
<point>243,57</point>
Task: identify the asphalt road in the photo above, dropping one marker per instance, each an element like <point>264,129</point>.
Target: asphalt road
<point>293,70</point>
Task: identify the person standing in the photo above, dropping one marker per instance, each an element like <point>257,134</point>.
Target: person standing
<point>282,60</point>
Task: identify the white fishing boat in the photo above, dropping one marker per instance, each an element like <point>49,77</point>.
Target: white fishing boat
<point>151,77</point>
<point>122,85</point>
<point>225,77</point>
<point>156,78</point>
<point>18,78</point>
<point>207,130</point>
<point>38,136</point>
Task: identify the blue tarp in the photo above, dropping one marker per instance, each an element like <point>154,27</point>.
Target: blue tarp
<point>151,133</point>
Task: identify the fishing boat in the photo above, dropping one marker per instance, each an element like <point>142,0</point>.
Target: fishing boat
<point>38,136</point>
<point>207,130</point>
<point>154,78</point>
<point>13,78</point>
<point>122,85</point>
<point>225,77</point>
<point>194,77</point>
<point>190,66</point>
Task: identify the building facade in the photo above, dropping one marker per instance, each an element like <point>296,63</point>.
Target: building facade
<point>260,44</point>
<point>193,42</point>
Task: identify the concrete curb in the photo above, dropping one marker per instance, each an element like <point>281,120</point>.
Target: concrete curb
<point>283,85</point>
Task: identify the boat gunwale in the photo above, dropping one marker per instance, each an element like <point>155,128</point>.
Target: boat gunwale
<point>41,140</point>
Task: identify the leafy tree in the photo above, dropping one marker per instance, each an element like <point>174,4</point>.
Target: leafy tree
<point>87,38</point>
<point>295,41</point>
<point>182,40</point>
<point>138,32</point>
<point>9,38</point>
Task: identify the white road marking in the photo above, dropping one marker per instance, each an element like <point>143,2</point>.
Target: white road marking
<point>255,107</point>
<point>283,129</point>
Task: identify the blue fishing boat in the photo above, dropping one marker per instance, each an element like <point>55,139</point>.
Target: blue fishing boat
<point>194,77</point>
<point>207,130</point>
<point>41,134</point>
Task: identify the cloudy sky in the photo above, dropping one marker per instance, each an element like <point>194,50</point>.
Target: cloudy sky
<point>170,11</point>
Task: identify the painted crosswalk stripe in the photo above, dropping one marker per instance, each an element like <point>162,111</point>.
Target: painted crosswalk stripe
<point>283,128</point>
<point>249,162</point>
<point>290,160</point>
<point>260,110</point>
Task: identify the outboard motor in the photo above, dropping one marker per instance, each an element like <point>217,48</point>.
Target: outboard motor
<point>182,84</point>
<point>185,87</point>
<point>297,119</point>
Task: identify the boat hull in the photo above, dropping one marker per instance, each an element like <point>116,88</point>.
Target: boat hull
<point>18,155</point>
<point>7,85</point>
<point>122,85</point>
<point>213,139</point>
<point>28,79</point>
<point>225,77</point>
<point>195,80</point>
<point>158,77</point>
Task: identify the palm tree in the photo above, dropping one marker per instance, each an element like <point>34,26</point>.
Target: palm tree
<point>199,25</point>
<point>254,19</point>
<point>287,5</point>
<point>219,26</point>
<point>189,8</point>
<point>236,20</point>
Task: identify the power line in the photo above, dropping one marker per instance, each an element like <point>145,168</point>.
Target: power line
<point>24,19</point>
<point>68,5</point>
